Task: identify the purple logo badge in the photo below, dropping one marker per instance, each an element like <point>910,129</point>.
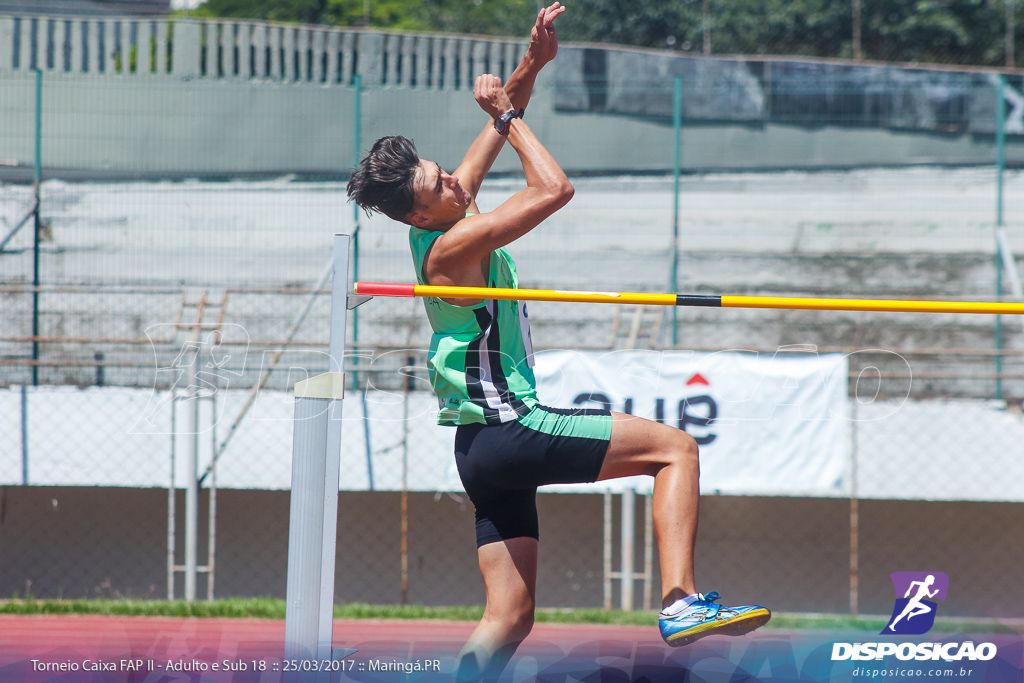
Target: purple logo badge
<point>915,608</point>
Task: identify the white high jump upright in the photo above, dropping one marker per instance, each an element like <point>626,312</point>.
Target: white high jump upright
<point>313,521</point>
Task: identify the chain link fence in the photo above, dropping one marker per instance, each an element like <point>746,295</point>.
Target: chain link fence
<point>954,33</point>
<point>175,262</point>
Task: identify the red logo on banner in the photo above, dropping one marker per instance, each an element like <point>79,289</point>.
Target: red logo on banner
<point>698,379</point>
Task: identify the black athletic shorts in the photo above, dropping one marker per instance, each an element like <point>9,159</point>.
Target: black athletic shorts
<point>501,466</point>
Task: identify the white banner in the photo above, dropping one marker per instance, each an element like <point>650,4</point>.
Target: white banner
<point>765,425</point>
<point>906,450</point>
<point>774,426</point>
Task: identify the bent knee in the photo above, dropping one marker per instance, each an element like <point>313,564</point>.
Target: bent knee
<point>689,445</point>
<point>684,451</point>
<point>521,623</point>
<point>516,623</point>
<point>524,625</point>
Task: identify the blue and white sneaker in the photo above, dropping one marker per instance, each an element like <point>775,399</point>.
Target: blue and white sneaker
<point>704,618</point>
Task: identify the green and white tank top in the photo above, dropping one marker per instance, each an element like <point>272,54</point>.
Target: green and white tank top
<point>481,357</point>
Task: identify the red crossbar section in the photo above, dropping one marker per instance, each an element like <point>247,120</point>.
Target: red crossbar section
<point>385,289</point>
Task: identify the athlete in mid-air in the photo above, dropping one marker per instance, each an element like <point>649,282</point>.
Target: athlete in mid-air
<point>480,366</point>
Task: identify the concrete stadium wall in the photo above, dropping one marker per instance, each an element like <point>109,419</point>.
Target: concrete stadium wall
<point>159,127</point>
<point>789,553</point>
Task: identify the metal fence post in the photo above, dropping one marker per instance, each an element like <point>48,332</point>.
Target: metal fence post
<point>677,127</point>
<point>1000,164</point>
<point>628,533</point>
<point>37,175</point>
<point>357,85</point>
<point>316,460</point>
<point>1005,264</point>
<point>192,481</point>
<point>607,554</point>
<point>854,514</point>
<point>24,435</point>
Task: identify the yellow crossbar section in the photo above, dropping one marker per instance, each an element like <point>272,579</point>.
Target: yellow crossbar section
<point>409,290</point>
<point>872,305</point>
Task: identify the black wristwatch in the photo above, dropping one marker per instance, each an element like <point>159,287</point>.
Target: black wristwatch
<point>504,122</point>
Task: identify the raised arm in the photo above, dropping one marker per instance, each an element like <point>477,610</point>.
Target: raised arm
<point>458,256</point>
<point>484,150</point>
<point>542,49</point>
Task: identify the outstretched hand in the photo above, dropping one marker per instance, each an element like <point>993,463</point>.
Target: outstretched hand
<point>543,43</point>
<point>491,96</point>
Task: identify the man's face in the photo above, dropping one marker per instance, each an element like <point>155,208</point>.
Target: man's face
<point>440,199</point>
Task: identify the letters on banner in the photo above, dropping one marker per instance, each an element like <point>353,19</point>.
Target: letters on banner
<point>773,424</point>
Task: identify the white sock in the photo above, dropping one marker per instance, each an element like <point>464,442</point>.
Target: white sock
<point>679,605</point>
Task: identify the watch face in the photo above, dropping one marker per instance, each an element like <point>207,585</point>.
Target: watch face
<point>502,123</point>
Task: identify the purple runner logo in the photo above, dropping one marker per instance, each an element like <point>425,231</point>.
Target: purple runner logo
<point>914,612</point>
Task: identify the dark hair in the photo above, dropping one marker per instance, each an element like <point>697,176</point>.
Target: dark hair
<point>383,182</point>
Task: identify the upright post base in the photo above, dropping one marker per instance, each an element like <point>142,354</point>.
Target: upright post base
<point>312,529</point>
<point>313,523</point>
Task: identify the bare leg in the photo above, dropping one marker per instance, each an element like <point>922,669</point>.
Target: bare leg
<point>906,609</point>
<point>509,569</point>
<point>918,611</point>
<point>640,446</point>
<point>912,609</point>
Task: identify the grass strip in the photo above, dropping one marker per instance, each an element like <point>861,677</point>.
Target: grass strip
<point>258,608</point>
<point>271,608</point>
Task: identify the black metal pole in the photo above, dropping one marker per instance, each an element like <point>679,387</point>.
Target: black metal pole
<point>24,435</point>
<point>35,296</point>
<point>36,181</point>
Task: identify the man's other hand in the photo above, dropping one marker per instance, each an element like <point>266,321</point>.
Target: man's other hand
<point>491,97</point>
<point>543,43</point>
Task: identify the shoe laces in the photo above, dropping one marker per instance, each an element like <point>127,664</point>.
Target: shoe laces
<point>707,602</point>
<point>709,598</point>
<point>703,607</point>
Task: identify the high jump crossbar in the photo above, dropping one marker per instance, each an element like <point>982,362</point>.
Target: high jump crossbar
<point>387,289</point>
